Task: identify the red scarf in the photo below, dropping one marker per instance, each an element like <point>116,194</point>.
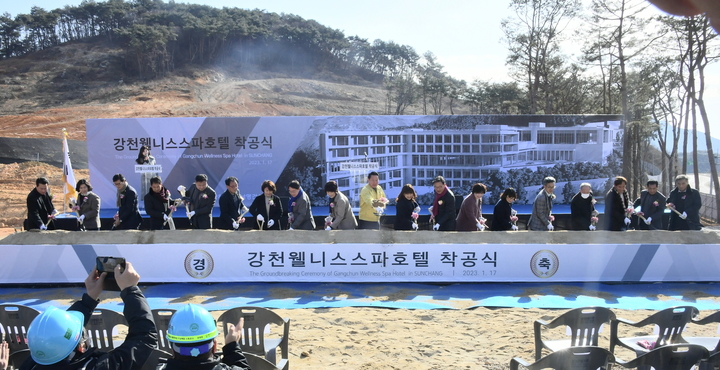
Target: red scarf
<point>436,206</point>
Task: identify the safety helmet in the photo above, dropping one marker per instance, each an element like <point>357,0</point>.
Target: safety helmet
<point>54,334</point>
<point>190,325</point>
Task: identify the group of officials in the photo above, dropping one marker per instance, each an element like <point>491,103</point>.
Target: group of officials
<point>644,213</point>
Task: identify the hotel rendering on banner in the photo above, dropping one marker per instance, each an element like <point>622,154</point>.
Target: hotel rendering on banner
<point>403,149</point>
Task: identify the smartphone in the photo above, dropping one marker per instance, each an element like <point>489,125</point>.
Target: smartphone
<point>107,264</point>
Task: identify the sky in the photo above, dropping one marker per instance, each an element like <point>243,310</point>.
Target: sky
<point>465,35</point>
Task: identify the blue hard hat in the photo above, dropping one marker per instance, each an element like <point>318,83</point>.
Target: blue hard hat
<point>54,334</point>
<point>191,324</point>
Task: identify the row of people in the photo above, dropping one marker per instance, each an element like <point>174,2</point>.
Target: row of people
<point>57,339</point>
<point>268,210</point>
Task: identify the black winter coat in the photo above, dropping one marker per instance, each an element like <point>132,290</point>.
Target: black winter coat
<point>403,213</point>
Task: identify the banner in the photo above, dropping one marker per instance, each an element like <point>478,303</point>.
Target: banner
<point>354,262</point>
<point>68,176</point>
<point>403,149</point>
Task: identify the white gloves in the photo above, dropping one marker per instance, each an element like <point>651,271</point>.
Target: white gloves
<point>43,227</point>
<point>165,217</point>
<point>480,226</point>
<point>430,209</point>
<point>235,225</point>
<point>551,227</point>
<point>379,210</point>
<point>81,218</point>
<point>192,213</point>
<point>328,219</point>
<point>648,220</point>
<point>328,228</point>
<point>514,228</point>
<point>290,228</point>
<point>592,228</point>
<point>414,226</point>
<point>683,215</point>
<point>260,218</point>
<point>436,227</point>
<point>417,209</point>
<point>270,223</point>
<point>627,221</point>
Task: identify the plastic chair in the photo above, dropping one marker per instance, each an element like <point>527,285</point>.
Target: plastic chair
<point>100,328</point>
<point>712,344</point>
<point>254,341</point>
<point>571,358</point>
<point>14,322</point>
<point>259,363</point>
<point>583,323</point>
<point>670,322</point>
<point>162,321</point>
<point>669,357</point>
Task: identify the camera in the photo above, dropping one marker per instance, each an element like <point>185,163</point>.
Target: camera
<point>107,264</point>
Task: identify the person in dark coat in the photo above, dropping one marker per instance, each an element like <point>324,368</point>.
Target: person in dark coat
<point>87,206</point>
<point>582,206</point>
<point>541,217</point>
<point>39,207</point>
<point>687,201</point>
<point>192,333</point>
<point>158,204</point>
<point>652,207</point>
<point>616,204</point>
<point>300,208</point>
<point>128,216</point>
<point>502,214</point>
<point>405,206</point>
<point>443,208</point>
<point>55,337</point>
<point>231,206</point>
<point>268,206</point>
<point>341,214</point>
<point>470,216</point>
<point>200,199</point>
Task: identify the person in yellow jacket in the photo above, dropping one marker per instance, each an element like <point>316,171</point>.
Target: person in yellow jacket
<point>372,200</point>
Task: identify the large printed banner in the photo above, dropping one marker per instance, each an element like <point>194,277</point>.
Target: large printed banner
<point>403,149</point>
<point>23,264</point>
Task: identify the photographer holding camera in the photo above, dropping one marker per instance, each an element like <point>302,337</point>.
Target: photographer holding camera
<point>56,337</point>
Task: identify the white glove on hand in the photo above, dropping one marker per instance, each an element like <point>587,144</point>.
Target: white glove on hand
<point>430,209</point>
<point>235,225</point>
<point>551,227</point>
<point>480,226</point>
<point>414,226</point>
<point>627,221</point>
<point>165,217</point>
<point>436,227</point>
<point>43,227</point>
<point>260,218</point>
<point>192,213</point>
<point>683,215</point>
<point>648,220</point>
<point>379,210</point>
<point>328,219</point>
<point>290,228</point>
<point>514,228</point>
<point>416,210</point>
<point>81,218</point>
<point>592,228</point>
<point>328,228</point>
<point>270,223</point>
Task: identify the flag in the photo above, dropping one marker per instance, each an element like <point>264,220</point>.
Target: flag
<point>68,177</point>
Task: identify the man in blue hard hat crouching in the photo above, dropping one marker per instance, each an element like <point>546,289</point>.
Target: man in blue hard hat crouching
<point>192,331</point>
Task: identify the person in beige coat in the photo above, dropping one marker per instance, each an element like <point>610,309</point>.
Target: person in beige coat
<point>88,206</point>
<point>341,214</point>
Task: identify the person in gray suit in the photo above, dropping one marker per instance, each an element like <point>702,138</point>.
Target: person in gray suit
<point>201,199</point>
<point>341,214</point>
<point>87,206</point>
<point>299,209</point>
<point>541,218</point>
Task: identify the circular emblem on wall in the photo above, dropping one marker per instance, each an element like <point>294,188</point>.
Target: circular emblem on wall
<point>199,264</point>
<point>544,263</point>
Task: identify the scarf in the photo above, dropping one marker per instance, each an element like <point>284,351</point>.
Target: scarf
<point>623,198</point>
<point>331,205</point>
<point>120,193</point>
<point>293,199</point>
<point>162,196</point>
<point>436,206</point>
